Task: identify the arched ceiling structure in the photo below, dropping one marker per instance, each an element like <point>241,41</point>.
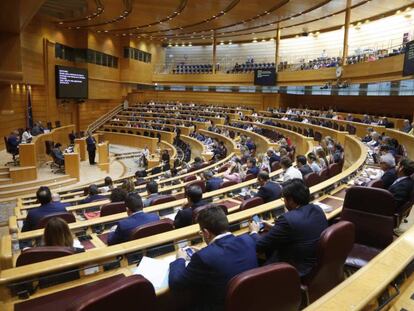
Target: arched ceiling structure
<point>195,21</point>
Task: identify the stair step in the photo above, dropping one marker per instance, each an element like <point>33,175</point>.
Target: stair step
<point>4,169</point>
<point>4,174</point>
<point>33,183</point>
<point>32,189</point>
<point>4,181</point>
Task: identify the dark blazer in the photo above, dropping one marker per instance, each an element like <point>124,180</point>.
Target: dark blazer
<point>184,217</point>
<point>305,169</point>
<point>13,142</point>
<point>294,237</point>
<point>34,215</point>
<point>125,226</point>
<point>213,183</point>
<point>92,198</point>
<point>273,158</point>
<point>270,191</point>
<point>402,190</point>
<point>61,204</point>
<point>389,177</point>
<point>147,202</point>
<point>254,170</point>
<point>90,143</point>
<point>211,268</point>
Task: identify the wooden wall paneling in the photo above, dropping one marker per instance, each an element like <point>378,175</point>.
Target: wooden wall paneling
<point>397,106</point>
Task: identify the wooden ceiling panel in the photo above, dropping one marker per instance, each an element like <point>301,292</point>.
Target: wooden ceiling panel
<point>193,20</point>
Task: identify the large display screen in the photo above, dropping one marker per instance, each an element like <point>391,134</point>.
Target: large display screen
<point>265,76</point>
<point>408,68</point>
<point>71,82</point>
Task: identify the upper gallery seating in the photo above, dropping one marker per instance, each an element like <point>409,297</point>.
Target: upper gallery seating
<point>183,68</point>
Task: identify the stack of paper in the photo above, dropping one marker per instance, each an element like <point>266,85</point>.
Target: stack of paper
<point>155,271</point>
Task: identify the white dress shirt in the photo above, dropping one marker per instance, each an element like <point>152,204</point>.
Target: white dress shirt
<point>292,173</point>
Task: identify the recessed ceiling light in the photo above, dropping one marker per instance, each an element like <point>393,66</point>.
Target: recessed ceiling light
<point>254,40</point>
<point>264,40</point>
<point>106,30</point>
<point>272,39</point>
<point>60,23</point>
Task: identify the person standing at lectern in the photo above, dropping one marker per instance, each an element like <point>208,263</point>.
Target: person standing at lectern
<point>91,147</point>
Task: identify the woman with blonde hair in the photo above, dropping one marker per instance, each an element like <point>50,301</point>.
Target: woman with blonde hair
<point>57,233</point>
<point>128,185</point>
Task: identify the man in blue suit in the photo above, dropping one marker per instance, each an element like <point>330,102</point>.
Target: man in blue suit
<point>294,237</point>
<point>93,195</point>
<point>136,218</point>
<point>56,201</point>
<point>387,164</point>
<point>212,182</point>
<point>184,217</point>
<point>402,187</point>
<point>269,190</point>
<point>211,268</point>
<point>44,197</point>
<point>252,167</point>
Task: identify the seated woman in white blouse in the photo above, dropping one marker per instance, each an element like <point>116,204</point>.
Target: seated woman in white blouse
<point>26,136</point>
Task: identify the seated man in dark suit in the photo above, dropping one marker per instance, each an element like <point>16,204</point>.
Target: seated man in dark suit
<point>44,197</point>
<point>93,195</point>
<point>302,165</point>
<point>58,154</point>
<point>212,182</point>
<point>252,167</point>
<point>13,141</point>
<point>387,164</point>
<point>152,190</point>
<point>136,218</point>
<point>211,268</point>
<point>56,201</point>
<point>273,157</point>
<point>402,187</point>
<point>269,190</point>
<point>294,236</point>
<point>198,163</point>
<point>184,217</point>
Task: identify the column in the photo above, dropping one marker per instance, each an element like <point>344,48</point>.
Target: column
<point>214,51</point>
<point>277,53</point>
<point>346,31</point>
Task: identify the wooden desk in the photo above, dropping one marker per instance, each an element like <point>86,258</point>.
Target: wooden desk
<point>81,142</point>
<point>72,165</point>
<point>103,156</point>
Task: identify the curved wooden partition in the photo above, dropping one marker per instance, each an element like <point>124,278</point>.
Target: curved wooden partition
<point>197,147</point>
<point>228,143</point>
<point>262,143</point>
<point>130,140</point>
<point>303,144</point>
<point>165,136</point>
<point>404,139</point>
<point>34,153</point>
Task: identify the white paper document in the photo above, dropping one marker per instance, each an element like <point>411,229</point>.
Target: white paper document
<point>325,207</point>
<point>155,271</point>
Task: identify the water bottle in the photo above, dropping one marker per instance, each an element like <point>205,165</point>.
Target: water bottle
<point>14,241</point>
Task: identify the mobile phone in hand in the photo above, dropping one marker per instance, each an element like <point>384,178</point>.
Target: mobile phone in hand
<point>257,220</point>
<point>189,251</point>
